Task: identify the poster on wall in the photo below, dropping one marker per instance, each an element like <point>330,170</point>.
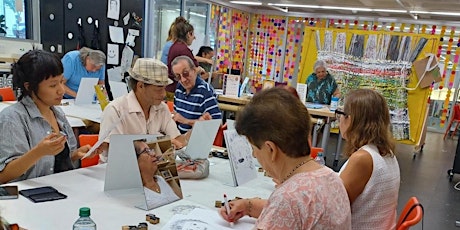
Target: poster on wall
<point>113,9</point>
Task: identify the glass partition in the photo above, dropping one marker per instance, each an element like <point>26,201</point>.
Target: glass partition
<point>196,12</point>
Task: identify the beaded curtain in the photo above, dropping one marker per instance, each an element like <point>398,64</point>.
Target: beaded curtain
<point>232,26</point>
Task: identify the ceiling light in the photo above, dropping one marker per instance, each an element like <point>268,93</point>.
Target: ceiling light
<point>436,13</point>
<point>246,3</point>
<point>294,5</point>
<point>345,8</point>
<point>389,11</point>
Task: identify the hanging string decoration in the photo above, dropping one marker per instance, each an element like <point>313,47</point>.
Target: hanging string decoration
<point>451,79</point>
<point>223,40</point>
<point>294,39</point>
<point>266,48</point>
<point>240,21</point>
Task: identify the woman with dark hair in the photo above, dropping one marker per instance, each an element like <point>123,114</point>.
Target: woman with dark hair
<point>206,53</point>
<point>36,139</point>
<point>183,32</point>
<point>371,173</point>
<point>308,195</point>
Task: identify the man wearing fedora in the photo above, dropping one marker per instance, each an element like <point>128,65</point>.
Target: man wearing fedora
<point>142,111</point>
<point>194,99</point>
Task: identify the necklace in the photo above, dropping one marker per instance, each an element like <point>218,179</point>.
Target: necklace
<point>295,168</point>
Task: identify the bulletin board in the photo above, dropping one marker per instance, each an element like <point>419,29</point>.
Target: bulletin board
<point>416,99</point>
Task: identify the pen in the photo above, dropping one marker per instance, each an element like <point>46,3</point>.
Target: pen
<point>227,207</point>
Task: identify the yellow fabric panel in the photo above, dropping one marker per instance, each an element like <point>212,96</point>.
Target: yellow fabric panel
<point>417,99</point>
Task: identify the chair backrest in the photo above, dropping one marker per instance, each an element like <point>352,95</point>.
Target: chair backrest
<point>456,114</point>
<point>89,139</point>
<point>170,106</point>
<point>7,94</point>
<point>411,214</point>
<point>314,151</point>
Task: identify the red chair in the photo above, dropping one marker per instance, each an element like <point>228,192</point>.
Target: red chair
<point>314,151</point>
<point>219,140</point>
<point>411,215</point>
<point>7,94</point>
<point>89,139</point>
<point>455,118</point>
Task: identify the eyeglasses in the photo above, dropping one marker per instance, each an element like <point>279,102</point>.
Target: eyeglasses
<point>339,113</point>
<point>184,74</point>
<point>151,153</point>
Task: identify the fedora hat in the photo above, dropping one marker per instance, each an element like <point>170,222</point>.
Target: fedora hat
<point>150,71</point>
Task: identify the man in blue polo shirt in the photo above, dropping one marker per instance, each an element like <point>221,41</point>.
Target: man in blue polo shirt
<point>194,99</point>
<point>82,63</point>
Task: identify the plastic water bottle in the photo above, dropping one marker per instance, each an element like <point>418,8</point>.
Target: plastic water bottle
<point>84,222</point>
<point>320,158</point>
<point>334,103</point>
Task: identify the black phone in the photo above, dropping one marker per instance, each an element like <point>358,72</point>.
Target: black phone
<point>9,192</point>
<point>42,194</point>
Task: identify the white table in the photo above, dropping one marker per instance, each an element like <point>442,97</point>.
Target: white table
<point>75,114</point>
<point>84,187</point>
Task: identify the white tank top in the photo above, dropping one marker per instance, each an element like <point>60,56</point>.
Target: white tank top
<point>375,207</point>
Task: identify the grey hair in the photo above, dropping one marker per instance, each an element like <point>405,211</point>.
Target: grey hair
<point>176,60</point>
<point>319,63</point>
<point>132,83</point>
<point>96,56</point>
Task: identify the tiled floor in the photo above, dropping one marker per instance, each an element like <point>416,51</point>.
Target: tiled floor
<point>425,177</point>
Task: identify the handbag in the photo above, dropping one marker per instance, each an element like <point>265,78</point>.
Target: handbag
<point>427,71</point>
<point>192,169</point>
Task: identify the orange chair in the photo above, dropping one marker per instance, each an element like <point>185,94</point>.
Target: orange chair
<point>7,94</point>
<point>170,106</point>
<point>314,151</point>
<point>89,139</point>
<point>411,214</point>
<point>455,118</point>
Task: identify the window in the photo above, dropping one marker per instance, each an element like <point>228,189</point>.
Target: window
<point>13,18</point>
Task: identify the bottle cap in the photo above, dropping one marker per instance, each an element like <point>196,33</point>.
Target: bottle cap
<point>85,212</point>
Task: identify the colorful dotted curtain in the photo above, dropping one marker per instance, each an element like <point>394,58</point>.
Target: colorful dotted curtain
<point>266,48</point>
<point>223,39</point>
<point>293,47</point>
<point>240,27</point>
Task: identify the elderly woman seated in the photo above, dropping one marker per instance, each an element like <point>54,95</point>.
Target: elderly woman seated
<point>307,195</point>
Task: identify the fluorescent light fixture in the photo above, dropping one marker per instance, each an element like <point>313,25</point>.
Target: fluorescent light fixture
<point>337,8</point>
<point>198,15</point>
<point>345,8</point>
<point>246,3</point>
<point>436,13</point>
<point>294,5</point>
<point>390,11</point>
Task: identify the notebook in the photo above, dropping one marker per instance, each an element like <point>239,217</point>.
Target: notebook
<point>202,138</point>
<point>86,93</point>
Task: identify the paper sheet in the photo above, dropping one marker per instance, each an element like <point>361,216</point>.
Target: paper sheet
<point>132,33</point>
<point>116,34</point>
<point>113,9</point>
<point>231,85</point>
<point>112,54</point>
<point>126,19</point>
<point>118,89</point>
<point>114,74</point>
<point>206,219</point>
<point>302,91</point>
<point>126,59</point>
<point>240,156</point>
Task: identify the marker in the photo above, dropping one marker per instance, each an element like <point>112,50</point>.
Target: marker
<point>227,207</point>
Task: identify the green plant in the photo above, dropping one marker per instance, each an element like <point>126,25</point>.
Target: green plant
<point>2,25</point>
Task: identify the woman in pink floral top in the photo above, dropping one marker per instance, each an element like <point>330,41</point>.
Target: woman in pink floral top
<point>308,195</point>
